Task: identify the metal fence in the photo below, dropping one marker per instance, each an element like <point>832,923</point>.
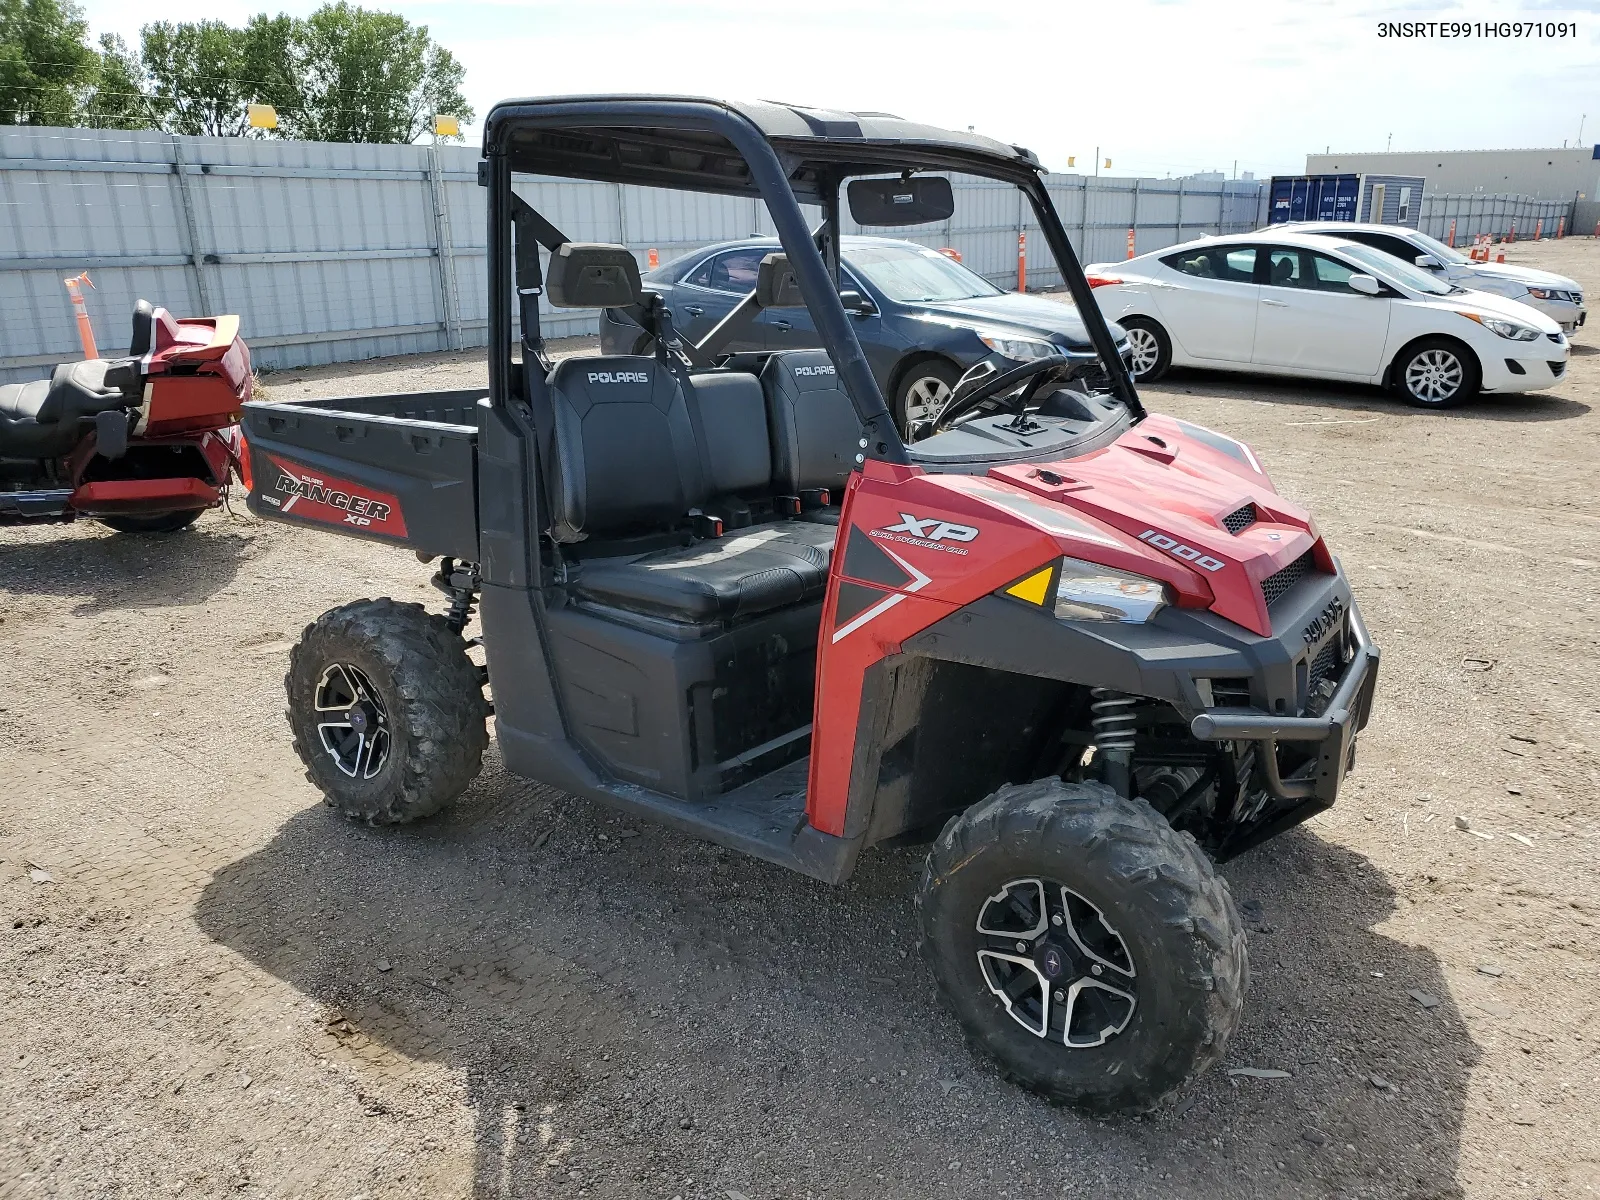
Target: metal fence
<point>1465,217</point>
<point>333,252</point>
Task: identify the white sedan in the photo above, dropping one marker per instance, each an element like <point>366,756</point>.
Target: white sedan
<point>1327,308</point>
<point>1556,296</point>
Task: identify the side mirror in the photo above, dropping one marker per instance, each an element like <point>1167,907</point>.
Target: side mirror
<point>1429,262</point>
<point>776,286</point>
<point>1367,285</point>
<point>855,302</point>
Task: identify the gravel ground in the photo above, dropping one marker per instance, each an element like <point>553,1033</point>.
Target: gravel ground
<point>211,984</point>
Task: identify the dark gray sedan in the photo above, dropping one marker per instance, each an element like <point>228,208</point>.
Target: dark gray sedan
<point>921,317</point>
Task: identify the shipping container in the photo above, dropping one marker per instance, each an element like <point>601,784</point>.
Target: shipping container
<point>1375,199</point>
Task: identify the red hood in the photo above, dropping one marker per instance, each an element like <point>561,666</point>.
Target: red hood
<point>1168,484</point>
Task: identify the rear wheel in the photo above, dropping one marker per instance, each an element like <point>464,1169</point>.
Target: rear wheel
<point>924,390</point>
<point>387,711</point>
<point>1436,372</point>
<point>1149,349</point>
<point>169,522</point>
<point>1084,944</point>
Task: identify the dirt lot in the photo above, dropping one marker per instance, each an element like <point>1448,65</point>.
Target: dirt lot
<point>211,984</point>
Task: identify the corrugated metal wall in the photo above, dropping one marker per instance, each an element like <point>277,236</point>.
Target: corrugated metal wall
<point>1494,216</point>
<point>331,252</point>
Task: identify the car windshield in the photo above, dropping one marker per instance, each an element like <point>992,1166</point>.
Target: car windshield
<point>1438,249</point>
<point>1391,270</point>
<point>915,275</point>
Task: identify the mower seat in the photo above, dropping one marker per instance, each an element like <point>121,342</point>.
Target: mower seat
<point>40,419</point>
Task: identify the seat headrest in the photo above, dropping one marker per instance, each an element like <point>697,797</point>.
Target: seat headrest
<point>144,324</point>
<point>776,286</point>
<point>593,275</point>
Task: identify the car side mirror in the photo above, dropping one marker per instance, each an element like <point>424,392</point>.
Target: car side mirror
<point>1429,263</point>
<point>1367,285</point>
<point>855,302</point>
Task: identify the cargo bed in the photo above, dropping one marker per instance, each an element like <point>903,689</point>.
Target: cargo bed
<point>399,468</point>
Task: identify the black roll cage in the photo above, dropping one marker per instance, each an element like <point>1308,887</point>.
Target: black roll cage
<point>684,143</point>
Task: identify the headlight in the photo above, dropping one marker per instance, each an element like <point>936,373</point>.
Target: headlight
<point>1020,349</point>
<point>1539,293</point>
<point>1506,329</point>
<point>1084,591</point>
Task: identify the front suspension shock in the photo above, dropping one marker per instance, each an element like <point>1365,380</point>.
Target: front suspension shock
<point>1113,722</point>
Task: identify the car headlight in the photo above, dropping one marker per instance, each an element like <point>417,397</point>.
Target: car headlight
<point>1566,297</point>
<point>1084,591</point>
<point>1020,349</point>
<point>1507,329</point>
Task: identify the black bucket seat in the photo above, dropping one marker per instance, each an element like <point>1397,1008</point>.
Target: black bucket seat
<point>635,449</point>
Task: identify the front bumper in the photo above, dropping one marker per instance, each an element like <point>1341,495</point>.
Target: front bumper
<point>1185,657</point>
<point>1525,366</point>
<point>1334,732</point>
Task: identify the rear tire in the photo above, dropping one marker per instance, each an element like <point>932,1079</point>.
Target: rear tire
<point>159,523</point>
<point>1131,921</point>
<point>1150,349</point>
<point>1436,372</point>
<point>387,711</point>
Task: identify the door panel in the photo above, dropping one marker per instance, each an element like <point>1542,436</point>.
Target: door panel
<point>1310,319</point>
<point>1207,301</point>
<point>710,292</point>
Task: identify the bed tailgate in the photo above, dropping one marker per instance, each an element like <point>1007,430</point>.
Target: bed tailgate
<point>400,469</point>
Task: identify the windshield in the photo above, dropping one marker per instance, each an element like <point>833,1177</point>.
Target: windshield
<point>1438,249</point>
<point>1391,270</point>
<point>915,275</point>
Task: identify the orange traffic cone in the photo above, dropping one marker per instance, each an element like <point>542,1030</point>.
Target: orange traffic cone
<point>85,330</point>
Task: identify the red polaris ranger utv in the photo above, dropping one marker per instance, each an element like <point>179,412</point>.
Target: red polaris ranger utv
<point>1083,650</point>
<point>145,443</point>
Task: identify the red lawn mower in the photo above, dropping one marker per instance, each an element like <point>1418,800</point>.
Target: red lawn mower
<point>145,443</point>
<point>1084,651</point>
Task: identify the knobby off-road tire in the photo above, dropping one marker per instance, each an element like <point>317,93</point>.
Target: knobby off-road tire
<point>422,690</point>
<point>1157,891</point>
<point>159,523</point>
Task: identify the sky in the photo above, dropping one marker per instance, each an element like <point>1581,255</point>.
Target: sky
<point>1161,87</point>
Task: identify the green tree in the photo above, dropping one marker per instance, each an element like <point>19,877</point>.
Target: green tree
<point>203,73</point>
<point>117,99</point>
<point>45,62</point>
<point>371,77</point>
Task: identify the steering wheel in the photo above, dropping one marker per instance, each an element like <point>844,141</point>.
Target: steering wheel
<point>962,403</point>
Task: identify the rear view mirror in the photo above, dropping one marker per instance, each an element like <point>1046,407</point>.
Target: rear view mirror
<point>1365,284</point>
<point>919,201</point>
<point>1428,262</point>
<point>776,286</point>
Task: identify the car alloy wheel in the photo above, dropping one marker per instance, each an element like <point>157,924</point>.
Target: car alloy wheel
<point>925,399</point>
<point>352,721</point>
<point>1055,964</point>
<point>1435,376</point>
<point>1144,351</point>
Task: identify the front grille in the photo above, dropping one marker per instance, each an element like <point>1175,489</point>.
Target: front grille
<point>1240,519</point>
<point>1558,369</point>
<point>1326,664</point>
<point>1322,677</point>
<point>1274,586</point>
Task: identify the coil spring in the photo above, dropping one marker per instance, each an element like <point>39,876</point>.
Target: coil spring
<point>1113,719</point>
<point>459,614</point>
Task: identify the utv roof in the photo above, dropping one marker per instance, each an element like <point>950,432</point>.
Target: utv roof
<point>690,142</point>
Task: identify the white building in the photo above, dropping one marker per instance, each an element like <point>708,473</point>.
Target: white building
<point>1567,173</point>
